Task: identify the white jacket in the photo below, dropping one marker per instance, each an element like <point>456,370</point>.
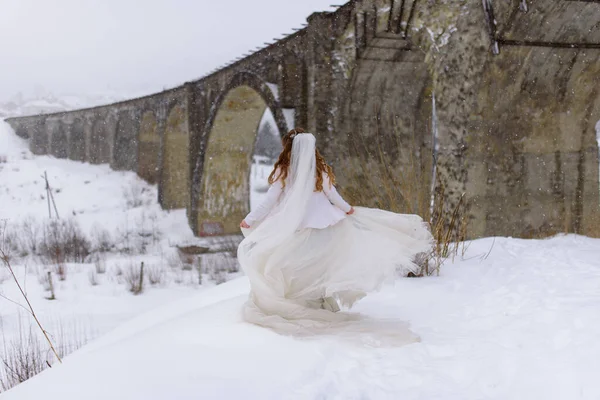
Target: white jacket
<point>324,209</point>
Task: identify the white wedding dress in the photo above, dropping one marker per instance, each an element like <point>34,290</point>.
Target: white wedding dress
<point>302,248</point>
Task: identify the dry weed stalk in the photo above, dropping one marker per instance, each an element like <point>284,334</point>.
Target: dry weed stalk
<point>448,232</point>
<point>5,260</point>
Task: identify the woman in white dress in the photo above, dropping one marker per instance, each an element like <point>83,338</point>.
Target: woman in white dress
<point>306,249</point>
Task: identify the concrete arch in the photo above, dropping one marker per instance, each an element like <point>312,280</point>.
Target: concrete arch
<point>148,148</point>
<point>77,141</point>
<point>221,188</point>
<point>175,179</point>
<point>99,143</point>
<point>126,143</point>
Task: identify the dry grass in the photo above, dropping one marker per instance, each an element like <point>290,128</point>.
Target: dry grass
<point>25,355</point>
<point>449,231</point>
<point>5,261</point>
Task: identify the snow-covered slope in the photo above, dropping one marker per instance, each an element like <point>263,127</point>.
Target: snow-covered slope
<point>44,102</point>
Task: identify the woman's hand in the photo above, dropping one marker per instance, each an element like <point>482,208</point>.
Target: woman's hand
<point>351,211</point>
<point>243,224</point>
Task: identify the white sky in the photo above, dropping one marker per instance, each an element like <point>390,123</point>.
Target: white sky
<point>95,46</point>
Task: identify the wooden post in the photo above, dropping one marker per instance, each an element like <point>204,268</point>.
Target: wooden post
<point>141,284</point>
<point>52,296</point>
<point>50,197</point>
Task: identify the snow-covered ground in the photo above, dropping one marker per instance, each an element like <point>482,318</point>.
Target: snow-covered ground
<point>508,319</point>
<point>116,207</point>
<point>512,319</point>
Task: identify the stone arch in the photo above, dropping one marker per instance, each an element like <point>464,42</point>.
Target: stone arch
<point>175,178</point>
<point>221,188</point>
<point>99,143</point>
<point>77,141</point>
<point>148,148</point>
<point>126,143</point>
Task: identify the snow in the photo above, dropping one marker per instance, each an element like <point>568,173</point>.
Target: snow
<point>96,198</point>
<point>512,319</point>
<point>508,319</point>
<point>44,101</point>
<point>274,89</point>
<point>290,117</point>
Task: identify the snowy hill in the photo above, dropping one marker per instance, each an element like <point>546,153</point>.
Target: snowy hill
<point>44,102</point>
<point>508,319</point>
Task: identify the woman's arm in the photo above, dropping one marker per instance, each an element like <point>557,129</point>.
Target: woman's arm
<point>335,198</point>
<point>265,206</point>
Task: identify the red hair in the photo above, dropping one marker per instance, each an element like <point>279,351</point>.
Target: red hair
<point>280,170</point>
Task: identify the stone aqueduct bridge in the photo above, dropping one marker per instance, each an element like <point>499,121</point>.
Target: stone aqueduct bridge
<point>497,99</point>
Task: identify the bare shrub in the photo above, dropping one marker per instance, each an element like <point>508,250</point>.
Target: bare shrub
<point>156,274</point>
<point>3,159</point>
<point>61,271</point>
<point>134,278</point>
<point>22,359</point>
<point>136,195</point>
<point>102,241</point>
<point>11,245</point>
<point>25,356</point>
<point>30,234</point>
<point>63,241</point>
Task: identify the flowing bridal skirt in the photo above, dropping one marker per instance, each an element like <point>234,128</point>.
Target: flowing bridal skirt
<point>344,261</point>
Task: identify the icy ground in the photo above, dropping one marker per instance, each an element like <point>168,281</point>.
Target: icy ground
<point>509,319</point>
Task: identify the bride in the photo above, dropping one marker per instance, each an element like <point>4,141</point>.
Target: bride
<point>306,250</point>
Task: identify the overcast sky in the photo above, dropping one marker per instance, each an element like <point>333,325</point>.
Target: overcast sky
<point>91,46</point>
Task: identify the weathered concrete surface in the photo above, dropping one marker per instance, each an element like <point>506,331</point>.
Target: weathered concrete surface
<point>406,97</point>
<point>176,178</point>
<point>515,129</point>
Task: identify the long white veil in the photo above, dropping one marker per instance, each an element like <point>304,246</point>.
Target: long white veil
<point>286,218</point>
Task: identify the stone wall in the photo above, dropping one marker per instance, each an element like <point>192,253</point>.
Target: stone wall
<point>494,100</point>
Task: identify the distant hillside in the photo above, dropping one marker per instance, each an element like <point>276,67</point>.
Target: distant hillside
<point>44,102</point>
